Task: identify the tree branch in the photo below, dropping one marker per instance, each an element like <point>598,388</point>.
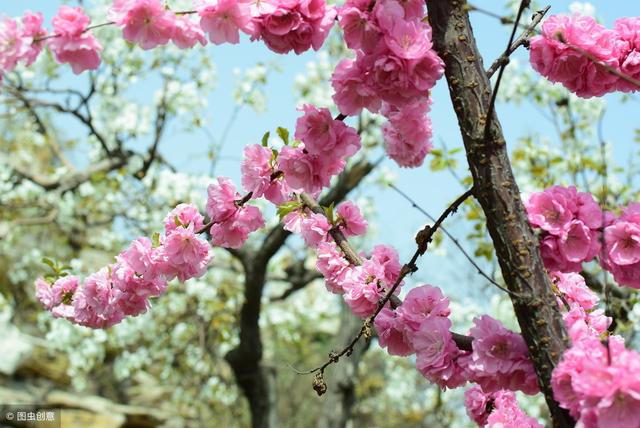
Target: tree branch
<point>498,194</point>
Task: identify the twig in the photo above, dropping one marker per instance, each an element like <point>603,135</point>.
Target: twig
<point>423,238</point>
<point>494,93</point>
<point>521,41</point>
<point>455,241</point>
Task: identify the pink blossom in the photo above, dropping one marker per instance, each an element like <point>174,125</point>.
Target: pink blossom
<point>223,20</point>
<point>599,386</point>
<point>12,45</point>
<point>359,29</point>
<point>409,39</point>
<point>553,259</point>
<point>234,231</point>
<point>332,264</point>
<point>135,289</point>
<point>549,210</point>
<point>183,215</point>
<point>322,135</point>
<point>507,414</point>
<point>581,324</point>
<point>437,353</point>
<point>500,358</point>
<point>145,22</point>
<point>306,172</point>
<point>387,257</point>
<point>627,30</point>
<point>314,229</point>
<point>185,255</point>
<point>221,200</point>
<point>350,219</point>
<point>32,30</point>
<point>259,174</point>
<point>351,91</point>
<point>421,303</point>
<point>96,303</point>
<point>623,243</point>
<point>392,333</point>
<point>61,291</point>
<point>363,288</point>
<point>552,54</point>
<point>294,25</point>
<point>408,133</point>
<point>577,242</point>
<point>187,33</point>
<point>143,258</point>
<point>478,404</point>
<point>74,45</point>
<point>574,289</point>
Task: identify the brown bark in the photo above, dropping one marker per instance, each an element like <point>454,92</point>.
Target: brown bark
<point>498,194</point>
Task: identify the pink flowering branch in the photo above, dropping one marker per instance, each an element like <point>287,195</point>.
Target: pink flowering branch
<point>423,238</point>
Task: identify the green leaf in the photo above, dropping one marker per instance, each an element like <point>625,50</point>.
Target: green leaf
<point>177,222</point>
<point>283,133</point>
<point>155,240</point>
<point>47,261</point>
<point>328,211</point>
<point>265,139</point>
<point>288,207</point>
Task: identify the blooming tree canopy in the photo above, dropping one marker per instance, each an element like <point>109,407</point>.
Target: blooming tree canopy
<point>395,53</point>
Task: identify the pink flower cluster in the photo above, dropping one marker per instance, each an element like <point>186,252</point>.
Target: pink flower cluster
<point>233,220</point>
<point>562,52</point>
<point>18,41</point>
<point>394,69</point>
<point>283,25</point>
<point>622,247</point>
<point>599,387</point>
<point>326,144</point>
<point>261,176</point>
<point>498,409</point>
<point>500,358</point>
<point>293,25</point>
<point>569,221</point>
<point>421,326</point>
<point>578,306</point>
<point>150,24</point>
<point>139,273</point>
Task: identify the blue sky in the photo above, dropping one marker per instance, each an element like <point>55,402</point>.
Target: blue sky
<point>397,221</point>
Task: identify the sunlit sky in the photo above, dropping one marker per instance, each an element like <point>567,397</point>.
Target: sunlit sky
<point>396,219</point>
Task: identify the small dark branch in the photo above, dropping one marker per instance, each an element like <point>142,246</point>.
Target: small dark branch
<point>160,122</point>
<point>494,93</point>
<point>86,120</point>
<point>505,20</point>
<point>594,284</point>
<point>523,40</point>
<point>298,276</point>
<point>73,180</point>
<point>423,238</point>
<point>340,117</point>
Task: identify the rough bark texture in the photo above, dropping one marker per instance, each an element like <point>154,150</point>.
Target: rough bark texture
<point>341,379</point>
<point>256,380</point>
<point>498,194</point>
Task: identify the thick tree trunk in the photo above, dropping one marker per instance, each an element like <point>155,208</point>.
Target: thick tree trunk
<point>341,379</point>
<point>498,194</point>
<point>256,381</point>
